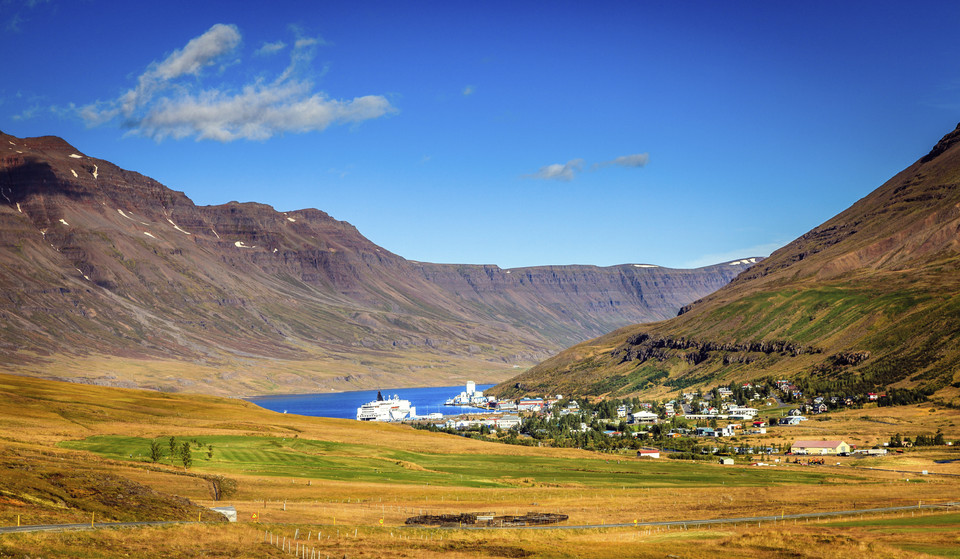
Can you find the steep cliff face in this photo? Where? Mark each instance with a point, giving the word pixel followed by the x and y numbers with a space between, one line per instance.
pixel 579 299
pixel 868 300
pixel 98 260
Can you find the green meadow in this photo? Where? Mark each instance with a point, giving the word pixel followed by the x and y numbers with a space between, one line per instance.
pixel 337 461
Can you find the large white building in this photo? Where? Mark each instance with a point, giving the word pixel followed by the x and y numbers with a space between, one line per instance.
pixel 644 417
pixel 469 397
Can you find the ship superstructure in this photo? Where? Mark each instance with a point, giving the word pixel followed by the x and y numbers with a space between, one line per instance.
pixel 386 409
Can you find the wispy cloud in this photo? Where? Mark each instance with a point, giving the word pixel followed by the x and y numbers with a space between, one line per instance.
pixel 468 90
pixel 270 48
pixel 569 170
pixel 27 113
pixel 256 113
pixel 635 160
pixel 19 9
pixel 199 53
pixel 557 171
pixel 162 106
pixel 308 42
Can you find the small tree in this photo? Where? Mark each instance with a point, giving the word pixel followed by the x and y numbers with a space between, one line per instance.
pixel 209 451
pixel 185 455
pixel 173 447
pixel 155 453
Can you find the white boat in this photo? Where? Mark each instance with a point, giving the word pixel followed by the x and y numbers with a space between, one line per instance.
pixel 389 409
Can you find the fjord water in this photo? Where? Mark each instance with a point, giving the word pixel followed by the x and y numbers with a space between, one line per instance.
pixel 344 404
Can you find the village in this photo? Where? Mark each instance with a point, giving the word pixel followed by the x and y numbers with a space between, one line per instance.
pixel 722 424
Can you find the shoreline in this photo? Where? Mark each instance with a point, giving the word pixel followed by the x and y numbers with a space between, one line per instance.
pixel 343 405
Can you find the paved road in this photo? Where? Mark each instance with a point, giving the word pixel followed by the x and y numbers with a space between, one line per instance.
pixel 745 519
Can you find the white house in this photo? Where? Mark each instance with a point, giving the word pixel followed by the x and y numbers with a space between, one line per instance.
pixel 643 417
pixel 507 422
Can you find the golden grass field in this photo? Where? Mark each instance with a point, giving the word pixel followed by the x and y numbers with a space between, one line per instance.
pixel 42 481
pixel 244 377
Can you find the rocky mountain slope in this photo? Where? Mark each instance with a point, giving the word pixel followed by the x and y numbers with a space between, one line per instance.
pixel 868 300
pixel 110 277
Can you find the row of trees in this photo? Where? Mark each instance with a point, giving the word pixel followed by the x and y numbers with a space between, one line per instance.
pixel 179 451
pixel 897 441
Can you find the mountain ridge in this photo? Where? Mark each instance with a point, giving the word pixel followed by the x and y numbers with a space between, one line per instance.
pixel 102 263
pixel 872 294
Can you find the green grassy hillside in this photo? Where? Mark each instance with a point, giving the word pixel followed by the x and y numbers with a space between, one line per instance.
pixel 868 300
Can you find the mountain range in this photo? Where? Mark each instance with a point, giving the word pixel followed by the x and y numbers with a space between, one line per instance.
pixel 112 278
pixel 869 300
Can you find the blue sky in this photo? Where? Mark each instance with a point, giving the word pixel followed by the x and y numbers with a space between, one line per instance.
pixel 516 134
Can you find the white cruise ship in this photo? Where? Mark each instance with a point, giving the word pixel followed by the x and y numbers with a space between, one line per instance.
pixel 390 409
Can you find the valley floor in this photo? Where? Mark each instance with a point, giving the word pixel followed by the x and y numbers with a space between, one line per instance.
pixel 71 453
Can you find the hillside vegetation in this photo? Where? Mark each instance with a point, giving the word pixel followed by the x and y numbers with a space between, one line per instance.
pixel 867 301
pixel 111 277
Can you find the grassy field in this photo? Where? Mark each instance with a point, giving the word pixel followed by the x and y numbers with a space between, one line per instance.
pixel 352 462
pixel 69 451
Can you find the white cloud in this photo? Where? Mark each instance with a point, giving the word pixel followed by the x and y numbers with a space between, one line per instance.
pixel 256 113
pixel 200 52
pixel 27 113
pixel 469 89
pixel 635 160
pixel 163 107
pixel 307 42
pixel 564 172
pixel 270 48
pixel 19 8
pixel 569 170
